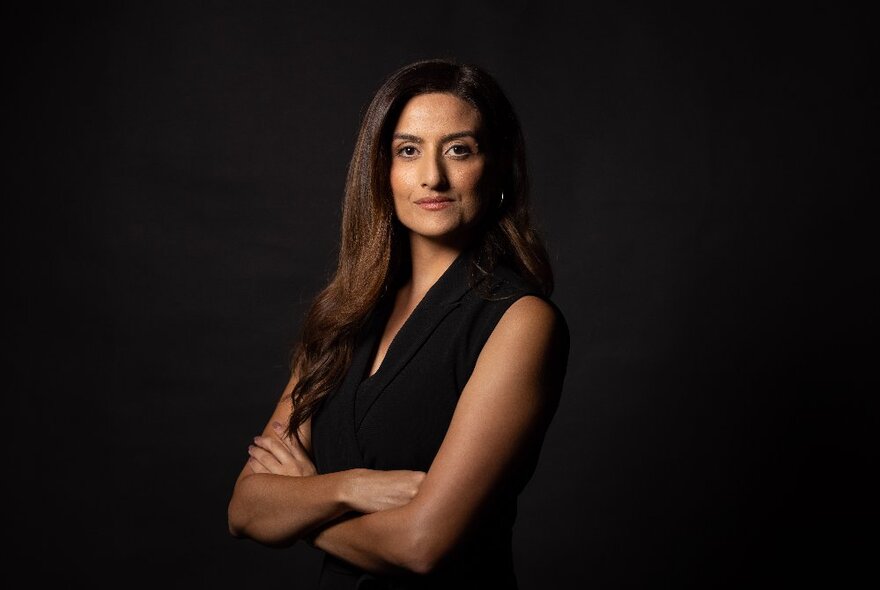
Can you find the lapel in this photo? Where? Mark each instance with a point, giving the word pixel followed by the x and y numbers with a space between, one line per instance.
pixel 337 448
pixel 443 296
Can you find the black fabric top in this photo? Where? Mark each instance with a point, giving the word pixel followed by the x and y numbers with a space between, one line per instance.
pixel 397 418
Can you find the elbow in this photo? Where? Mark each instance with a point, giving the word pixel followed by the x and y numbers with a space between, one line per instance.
pixel 236 528
pixel 244 522
pixel 239 511
pixel 243 527
pixel 241 520
pixel 421 565
pixel 235 518
pixel 426 551
pixel 423 562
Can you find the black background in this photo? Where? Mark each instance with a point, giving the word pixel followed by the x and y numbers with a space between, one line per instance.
pixel 175 176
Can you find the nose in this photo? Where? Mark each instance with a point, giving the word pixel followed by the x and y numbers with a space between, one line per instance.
pixel 433 172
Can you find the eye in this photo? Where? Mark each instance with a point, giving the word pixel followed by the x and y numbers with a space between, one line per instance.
pixel 407 151
pixel 459 150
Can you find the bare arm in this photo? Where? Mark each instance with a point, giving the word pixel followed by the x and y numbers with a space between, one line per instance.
pixel 500 418
pixel 278 497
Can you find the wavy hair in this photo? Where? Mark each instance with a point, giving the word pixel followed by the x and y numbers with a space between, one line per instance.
pixel 373 250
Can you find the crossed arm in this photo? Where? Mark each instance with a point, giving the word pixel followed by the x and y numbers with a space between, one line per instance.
pixel 411 521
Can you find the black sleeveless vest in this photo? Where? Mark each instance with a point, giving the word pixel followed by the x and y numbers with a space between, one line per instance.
pixel 397 418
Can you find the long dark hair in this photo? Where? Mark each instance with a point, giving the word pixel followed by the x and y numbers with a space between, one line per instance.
pixel 373 250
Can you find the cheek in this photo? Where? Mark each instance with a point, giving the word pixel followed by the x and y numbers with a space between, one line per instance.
pixel 399 180
pixel 469 180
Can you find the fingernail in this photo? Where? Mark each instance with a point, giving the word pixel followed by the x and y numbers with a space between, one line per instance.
pixel 257 439
pixel 276 425
pixel 250 448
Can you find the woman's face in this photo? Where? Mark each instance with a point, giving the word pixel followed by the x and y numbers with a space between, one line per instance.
pixel 437 166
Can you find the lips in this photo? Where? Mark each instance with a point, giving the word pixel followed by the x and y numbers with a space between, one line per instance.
pixel 434 203
pixel 433 200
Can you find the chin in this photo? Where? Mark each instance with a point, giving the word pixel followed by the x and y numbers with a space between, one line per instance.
pixel 450 235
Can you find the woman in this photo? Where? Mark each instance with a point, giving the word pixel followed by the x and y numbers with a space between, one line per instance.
pixel 430 367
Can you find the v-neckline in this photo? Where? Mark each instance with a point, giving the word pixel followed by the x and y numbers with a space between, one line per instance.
pixel 382 321
pixel 387 308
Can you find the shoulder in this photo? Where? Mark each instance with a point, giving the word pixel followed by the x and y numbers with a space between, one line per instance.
pixel 508 313
pixel 523 302
pixel 533 319
pixel 527 352
pixel 529 321
pixel 532 311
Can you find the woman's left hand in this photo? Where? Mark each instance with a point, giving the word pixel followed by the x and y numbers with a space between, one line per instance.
pixel 280 454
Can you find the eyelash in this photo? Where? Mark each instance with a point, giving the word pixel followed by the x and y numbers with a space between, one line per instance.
pixel 400 151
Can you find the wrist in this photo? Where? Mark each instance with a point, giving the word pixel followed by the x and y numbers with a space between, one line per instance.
pixel 346 490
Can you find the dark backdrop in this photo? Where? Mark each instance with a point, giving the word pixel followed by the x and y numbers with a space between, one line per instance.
pixel 701 177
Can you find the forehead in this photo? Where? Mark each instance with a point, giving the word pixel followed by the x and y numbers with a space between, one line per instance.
pixel 437 113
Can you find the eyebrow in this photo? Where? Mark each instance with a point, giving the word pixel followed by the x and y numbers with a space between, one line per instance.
pixel 444 139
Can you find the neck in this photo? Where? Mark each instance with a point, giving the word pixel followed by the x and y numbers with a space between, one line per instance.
pixel 429 259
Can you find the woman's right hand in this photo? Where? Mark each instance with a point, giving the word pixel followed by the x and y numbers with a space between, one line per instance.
pixel 281 455
pixel 373 490
pixel 365 490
